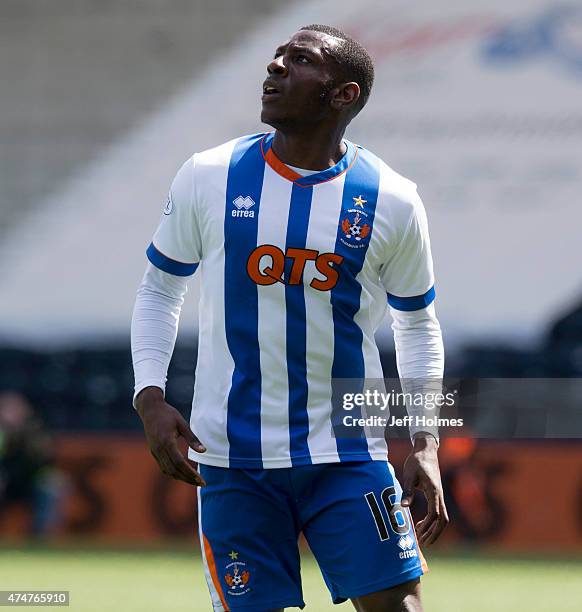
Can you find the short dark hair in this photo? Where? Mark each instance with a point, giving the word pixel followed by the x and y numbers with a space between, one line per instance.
pixel 354 60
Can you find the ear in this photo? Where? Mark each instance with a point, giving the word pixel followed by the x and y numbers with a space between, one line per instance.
pixel 345 96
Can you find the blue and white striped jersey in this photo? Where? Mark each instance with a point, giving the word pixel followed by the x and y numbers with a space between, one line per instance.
pixel 297 272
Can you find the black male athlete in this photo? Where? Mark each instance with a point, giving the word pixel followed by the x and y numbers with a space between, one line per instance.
pixel 303 240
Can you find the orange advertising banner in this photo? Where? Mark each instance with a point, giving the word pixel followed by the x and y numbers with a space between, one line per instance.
pixel 506 496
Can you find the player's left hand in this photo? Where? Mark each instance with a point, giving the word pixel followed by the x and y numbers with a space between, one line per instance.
pixel 421 471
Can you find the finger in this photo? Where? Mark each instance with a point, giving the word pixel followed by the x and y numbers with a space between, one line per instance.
pixel 166 463
pixel 431 515
pixel 170 465
pixel 177 472
pixel 425 530
pixel 409 482
pixel 432 534
pixel 162 461
pixel 188 435
pixel 434 523
pixel 445 512
pixel 439 525
pixel 407 498
pixel 427 538
pixel 425 524
pixel 194 466
pixel 182 469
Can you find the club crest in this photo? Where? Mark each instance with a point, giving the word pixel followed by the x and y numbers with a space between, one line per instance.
pixel 237 577
pixel 354 229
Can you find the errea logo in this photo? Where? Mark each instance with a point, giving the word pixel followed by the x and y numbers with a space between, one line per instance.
pixel 242 207
pixel 406 543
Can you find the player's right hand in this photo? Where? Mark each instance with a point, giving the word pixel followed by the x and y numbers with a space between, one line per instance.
pixel 163 426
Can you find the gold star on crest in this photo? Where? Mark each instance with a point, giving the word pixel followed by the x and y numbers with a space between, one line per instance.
pixel 359 201
pixel 233 555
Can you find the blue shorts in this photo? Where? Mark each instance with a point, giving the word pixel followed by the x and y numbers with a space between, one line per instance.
pixel 349 513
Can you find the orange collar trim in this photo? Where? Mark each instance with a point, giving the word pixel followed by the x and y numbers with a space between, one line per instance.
pixel 344 164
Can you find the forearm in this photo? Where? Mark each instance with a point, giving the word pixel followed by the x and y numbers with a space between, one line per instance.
pixel 419 357
pixel 154 327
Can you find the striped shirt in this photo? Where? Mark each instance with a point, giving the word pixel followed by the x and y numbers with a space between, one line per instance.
pixel 297 274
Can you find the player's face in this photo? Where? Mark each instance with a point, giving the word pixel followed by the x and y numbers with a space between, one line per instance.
pixel 300 79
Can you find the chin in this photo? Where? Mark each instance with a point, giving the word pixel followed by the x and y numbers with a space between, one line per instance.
pixel 271 119
pixel 277 122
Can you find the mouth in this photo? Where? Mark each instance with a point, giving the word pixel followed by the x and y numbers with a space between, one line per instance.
pixel 270 92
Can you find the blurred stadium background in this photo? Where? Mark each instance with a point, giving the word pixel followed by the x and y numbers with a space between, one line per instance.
pixel 101 101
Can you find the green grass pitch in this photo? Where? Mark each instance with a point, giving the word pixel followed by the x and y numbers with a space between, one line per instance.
pixel 174 581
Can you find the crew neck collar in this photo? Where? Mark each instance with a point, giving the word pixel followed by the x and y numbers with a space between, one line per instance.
pixel 312 179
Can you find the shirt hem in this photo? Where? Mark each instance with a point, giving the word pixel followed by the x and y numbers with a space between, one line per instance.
pixel 282 462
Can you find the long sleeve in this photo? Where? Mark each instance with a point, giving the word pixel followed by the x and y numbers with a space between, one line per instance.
pixel 174 256
pixel 408 278
pixel 419 357
pixel 154 326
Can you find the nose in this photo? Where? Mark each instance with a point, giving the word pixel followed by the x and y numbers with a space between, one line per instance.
pixel 276 66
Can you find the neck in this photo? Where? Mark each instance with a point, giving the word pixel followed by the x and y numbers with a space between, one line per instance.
pixel 312 150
